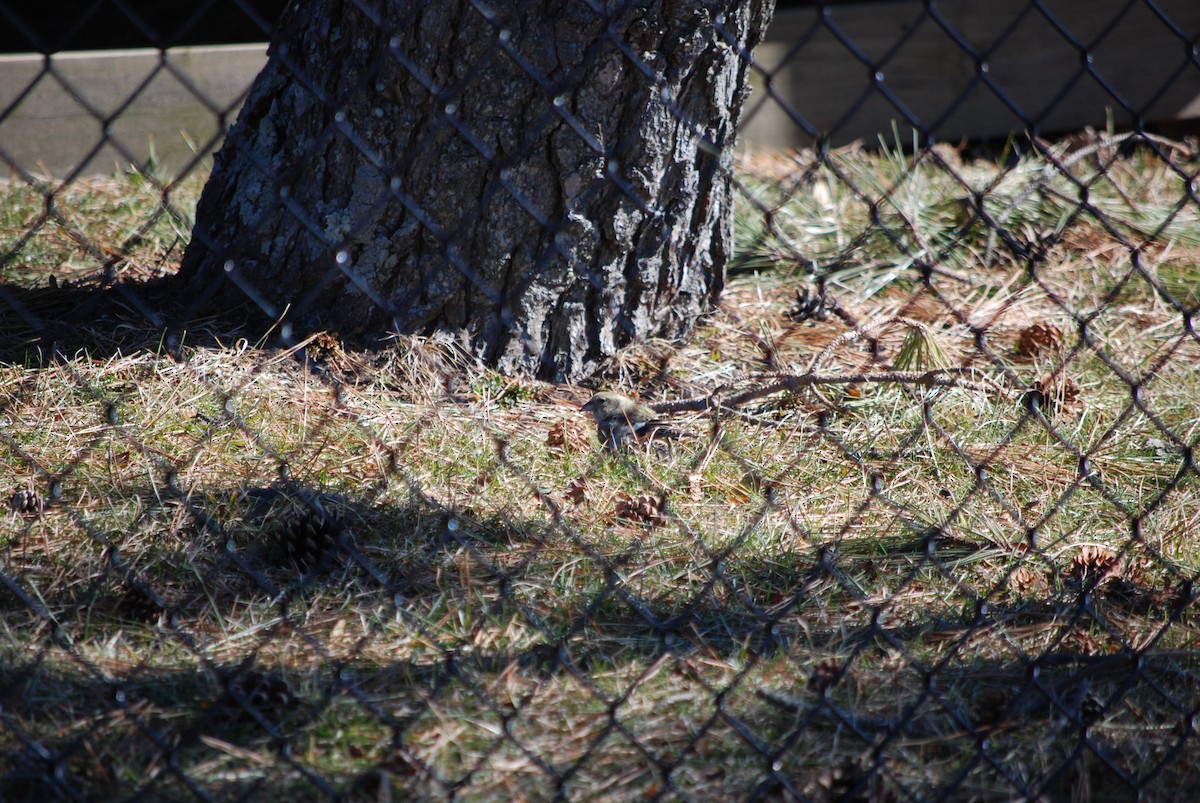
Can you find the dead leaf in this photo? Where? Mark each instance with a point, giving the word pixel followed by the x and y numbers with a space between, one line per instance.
pixel 577 491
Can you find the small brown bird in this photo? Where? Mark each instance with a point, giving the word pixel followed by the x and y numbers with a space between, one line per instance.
pixel 620 420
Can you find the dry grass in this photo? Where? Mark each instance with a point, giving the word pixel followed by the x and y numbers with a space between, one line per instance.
pixel 132 226
pixel 905 591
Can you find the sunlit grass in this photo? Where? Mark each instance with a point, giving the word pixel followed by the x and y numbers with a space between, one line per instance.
pixel 859 578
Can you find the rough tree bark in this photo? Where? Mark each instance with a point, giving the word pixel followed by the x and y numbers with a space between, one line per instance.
pixel 549 177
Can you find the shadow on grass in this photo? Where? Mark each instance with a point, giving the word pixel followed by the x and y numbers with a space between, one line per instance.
pixel 252 642
pixel 421 651
pixel 105 317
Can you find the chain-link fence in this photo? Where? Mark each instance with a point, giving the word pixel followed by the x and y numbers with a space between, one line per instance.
pixel 918 526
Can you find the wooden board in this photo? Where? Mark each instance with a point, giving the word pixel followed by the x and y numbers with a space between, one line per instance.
pixel 55 112
pixel 1125 62
pixel 847 73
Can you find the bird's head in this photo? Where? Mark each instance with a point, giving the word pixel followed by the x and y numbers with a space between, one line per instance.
pixel 607 404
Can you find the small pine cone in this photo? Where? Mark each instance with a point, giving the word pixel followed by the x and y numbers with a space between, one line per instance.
pixel 308 539
pixel 643 508
pixel 809 306
pixel 824 674
pixel 136 604
pixel 568 435
pixel 326 349
pixel 991 707
pixel 264 692
pixel 1025 581
pixel 1091 562
pixel 26 502
pixel 267 691
pixel 1091 709
pixel 577 491
pixel 846 782
pixel 1079 704
pixel 556 436
pixel 1052 395
pixel 1039 338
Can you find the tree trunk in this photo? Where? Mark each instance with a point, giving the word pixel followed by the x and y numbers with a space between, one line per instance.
pixel 548 177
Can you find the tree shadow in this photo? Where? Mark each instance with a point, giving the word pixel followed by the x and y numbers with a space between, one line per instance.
pixel 107 317
pixel 200 662
pixel 213 671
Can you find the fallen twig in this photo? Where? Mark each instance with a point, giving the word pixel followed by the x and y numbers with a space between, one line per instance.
pixel 780 382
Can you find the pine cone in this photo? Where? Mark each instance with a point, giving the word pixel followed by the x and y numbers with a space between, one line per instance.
pixel 847 782
pixel 251 691
pixel 809 306
pixel 824 674
pixel 1091 709
pixel 644 508
pixel 26 502
pixel 265 691
pixel 1091 562
pixel 991 707
pixel 309 539
pixel 567 436
pixel 1025 581
pixel 577 491
pixel 1039 338
pixel 136 604
pixel 1052 395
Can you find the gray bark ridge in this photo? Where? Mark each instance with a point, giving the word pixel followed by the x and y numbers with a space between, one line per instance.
pixel 549 178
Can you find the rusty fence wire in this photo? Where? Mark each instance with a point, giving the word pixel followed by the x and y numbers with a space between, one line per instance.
pixel 923 529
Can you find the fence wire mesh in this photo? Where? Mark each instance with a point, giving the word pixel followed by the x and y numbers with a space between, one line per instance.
pixel 922 532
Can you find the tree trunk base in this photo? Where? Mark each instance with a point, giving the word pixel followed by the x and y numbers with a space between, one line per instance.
pixel 549 183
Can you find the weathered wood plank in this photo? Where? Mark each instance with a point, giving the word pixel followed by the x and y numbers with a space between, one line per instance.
pixel 55 112
pixel 1035 77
